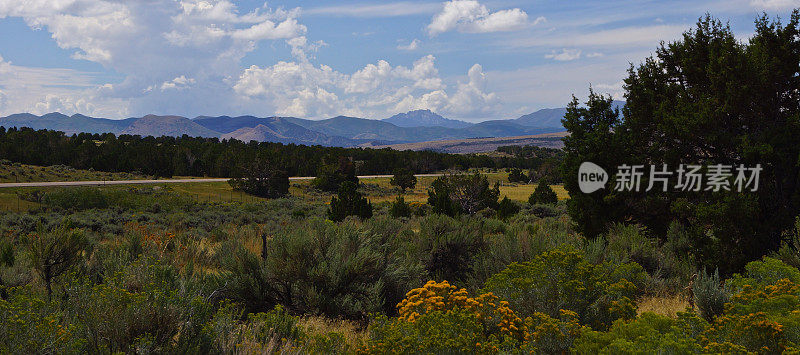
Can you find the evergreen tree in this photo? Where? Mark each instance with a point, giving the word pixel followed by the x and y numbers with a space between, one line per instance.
pixel 506 208
pixel 516 175
pixel 706 99
pixel 400 208
pixel 331 175
pixel 404 179
pixel 592 139
pixel 543 194
pixel 349 203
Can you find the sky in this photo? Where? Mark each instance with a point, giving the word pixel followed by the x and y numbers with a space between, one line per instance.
pixel 464 59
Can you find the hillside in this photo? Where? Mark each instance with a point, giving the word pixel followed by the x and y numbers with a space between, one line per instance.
pixel 152 125
pixel 343 131
pixel 67 124
pixel 480 145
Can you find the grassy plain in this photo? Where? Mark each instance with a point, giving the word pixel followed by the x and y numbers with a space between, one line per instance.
pixel 376 189
pixel 15 172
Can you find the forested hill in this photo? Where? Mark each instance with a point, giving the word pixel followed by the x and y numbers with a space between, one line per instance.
pixel 167 156
pixel 340 131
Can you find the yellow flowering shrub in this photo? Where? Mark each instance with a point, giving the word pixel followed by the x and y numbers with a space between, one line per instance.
pixel 551 335
pixel 563 279
pixel 27 326
pixel 761 318
pixel 494 314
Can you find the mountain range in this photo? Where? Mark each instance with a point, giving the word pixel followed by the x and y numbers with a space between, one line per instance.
pixel 343 131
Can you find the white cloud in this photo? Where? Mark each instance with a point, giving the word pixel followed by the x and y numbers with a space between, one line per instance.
pixel 305 90
pixel 395 9
pixel 775 4
pixel 616 90
pixel 471 16
pixel 594 55
pixel 37 90
pixel 270 30
pixel 414 45
pixel 632 36
pixel 179 83
pixel 193 46
pixel 565 55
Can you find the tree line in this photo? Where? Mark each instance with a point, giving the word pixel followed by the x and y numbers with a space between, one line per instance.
pixel 194 156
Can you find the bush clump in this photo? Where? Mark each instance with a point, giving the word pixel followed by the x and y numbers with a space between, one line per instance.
pixel 507 208
pixel 262 180
pixel 709 295
pixel 400 208
pixel 462 193
pixel 562 279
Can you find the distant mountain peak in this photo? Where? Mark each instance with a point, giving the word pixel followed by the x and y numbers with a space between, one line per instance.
pixel 424 118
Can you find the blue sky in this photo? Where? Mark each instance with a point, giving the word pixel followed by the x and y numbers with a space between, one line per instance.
pixel 465 59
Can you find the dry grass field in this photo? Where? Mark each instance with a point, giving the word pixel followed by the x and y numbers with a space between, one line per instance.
pixel 376 189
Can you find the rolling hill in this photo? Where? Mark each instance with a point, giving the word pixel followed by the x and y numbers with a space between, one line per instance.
pixel 409 127
pixel 479 145
pixel 152 125
pixel 67 124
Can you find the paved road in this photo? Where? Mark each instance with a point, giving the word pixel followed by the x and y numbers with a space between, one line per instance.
pixel 164 181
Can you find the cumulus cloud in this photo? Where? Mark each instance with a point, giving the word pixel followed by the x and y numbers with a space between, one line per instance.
pixel 414 45
pixel 184 57
pixel 471 16
pixel 564 55
pixel 185 49
pixel 179 83
pixel 302 89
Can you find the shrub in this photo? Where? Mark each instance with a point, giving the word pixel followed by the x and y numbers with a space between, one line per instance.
pixel 562 279
pixel 349 203
pixel 439 318
pixel 495 315
pixel 449 248
pixel 789 251
pixel 400 208
pixel 79 198
pixel 331 175
pixel 320 268
pixel 543 211
pixel 462 193
pixel 454 331
pixel 709 295
pixel 648 334
pixel 761 319
pixel 143 308
pixel 547 335
pixel 53 253
pixel 404 179
pixel 263 180
pixel 507 208
pixel 767 271
pixel 29 326
pixel 543 194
